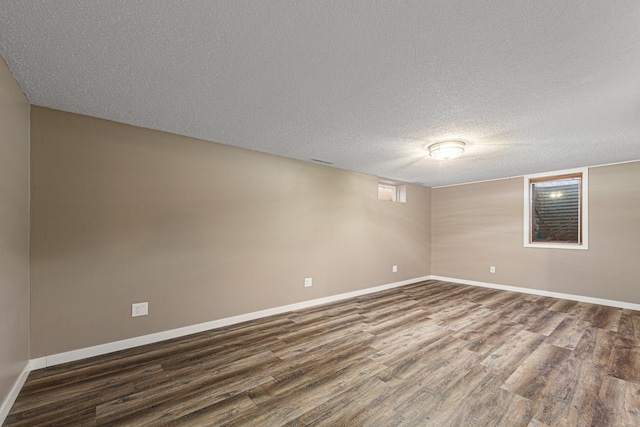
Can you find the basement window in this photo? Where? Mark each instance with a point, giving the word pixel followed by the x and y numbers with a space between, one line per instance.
pixel 556 210
pixel 392 192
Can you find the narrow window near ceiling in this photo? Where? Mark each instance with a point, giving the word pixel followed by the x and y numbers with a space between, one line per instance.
pixel 392 192
pixel 556 207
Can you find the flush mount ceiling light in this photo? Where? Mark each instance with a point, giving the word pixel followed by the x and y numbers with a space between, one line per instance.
pixel 446 150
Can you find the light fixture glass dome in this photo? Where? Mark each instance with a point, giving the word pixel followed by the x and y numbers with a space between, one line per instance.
pixel 446 150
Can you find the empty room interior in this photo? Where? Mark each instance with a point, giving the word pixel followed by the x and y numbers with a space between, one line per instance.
pixel 363 213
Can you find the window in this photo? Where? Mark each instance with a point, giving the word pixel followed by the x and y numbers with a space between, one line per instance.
pixel 556 210
pixel 392 192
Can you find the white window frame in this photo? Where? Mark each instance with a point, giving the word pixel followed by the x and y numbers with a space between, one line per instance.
pixel 584 210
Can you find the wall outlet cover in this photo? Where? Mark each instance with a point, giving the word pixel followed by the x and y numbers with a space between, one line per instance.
pixel 139 309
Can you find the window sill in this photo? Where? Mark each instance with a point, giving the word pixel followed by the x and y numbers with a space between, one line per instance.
pixel 581 247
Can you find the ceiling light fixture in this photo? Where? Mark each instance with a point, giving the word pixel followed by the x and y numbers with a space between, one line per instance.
pixel 446 150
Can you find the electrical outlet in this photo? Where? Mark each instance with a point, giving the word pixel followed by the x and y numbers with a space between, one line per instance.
pixel 139 309
pixel 394 269
pixel 308 282
pixel 492 269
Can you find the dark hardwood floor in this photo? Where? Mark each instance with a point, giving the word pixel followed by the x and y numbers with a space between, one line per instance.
pixel 428 354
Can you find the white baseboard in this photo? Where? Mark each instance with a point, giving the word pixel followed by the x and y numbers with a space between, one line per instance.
pixel 83 353
pixel 571 297
pixel 13 393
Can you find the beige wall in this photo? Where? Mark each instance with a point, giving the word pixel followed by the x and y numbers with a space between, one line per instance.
pixel 205 231
pixel 479 225
pixel 200 230
pixel 14 230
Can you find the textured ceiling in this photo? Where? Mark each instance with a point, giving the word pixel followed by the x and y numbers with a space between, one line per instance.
pixel 532 86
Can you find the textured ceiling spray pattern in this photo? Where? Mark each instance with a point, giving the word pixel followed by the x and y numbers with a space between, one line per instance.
pixel 531 86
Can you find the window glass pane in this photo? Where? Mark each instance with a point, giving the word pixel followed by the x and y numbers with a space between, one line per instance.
pixel 555 210
pixel 387 192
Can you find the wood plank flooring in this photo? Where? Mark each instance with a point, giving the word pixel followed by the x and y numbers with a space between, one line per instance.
pixel 428 354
